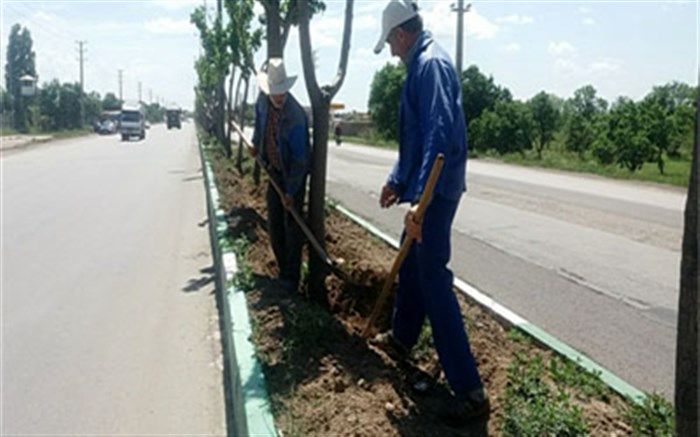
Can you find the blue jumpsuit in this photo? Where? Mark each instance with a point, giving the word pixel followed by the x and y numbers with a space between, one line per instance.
pixel 431 121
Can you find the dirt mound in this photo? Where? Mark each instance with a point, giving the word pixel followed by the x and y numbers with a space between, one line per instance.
pixel 323 378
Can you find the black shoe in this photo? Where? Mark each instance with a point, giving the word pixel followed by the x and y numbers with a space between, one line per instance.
pixel 464 408
pixel 390 346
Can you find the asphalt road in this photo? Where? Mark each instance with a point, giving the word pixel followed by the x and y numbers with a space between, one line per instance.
pixel 109 322
pixel 593 261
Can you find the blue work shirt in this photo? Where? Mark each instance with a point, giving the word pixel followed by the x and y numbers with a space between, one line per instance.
pixel 293 146
pixel 431 121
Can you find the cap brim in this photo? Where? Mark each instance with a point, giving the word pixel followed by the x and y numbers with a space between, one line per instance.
pixel 382 40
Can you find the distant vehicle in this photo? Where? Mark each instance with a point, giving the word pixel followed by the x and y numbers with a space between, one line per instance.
pixel 107 127
pixel 132 121
pixel 147 124
pixel 173 118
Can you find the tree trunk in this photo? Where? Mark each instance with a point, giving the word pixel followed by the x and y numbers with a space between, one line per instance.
pixel 320 102
pixel 220 88
pixel 317 198
pixel 274 37
pixel 229 113
pixel 235 105
pixel 239 160
pixel 687 351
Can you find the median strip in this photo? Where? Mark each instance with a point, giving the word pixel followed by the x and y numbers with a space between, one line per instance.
pixel 248 409
pixel 513 319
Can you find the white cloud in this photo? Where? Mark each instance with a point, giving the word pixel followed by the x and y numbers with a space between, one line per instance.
pixel 565 66
pixel 168 26
pixel 584 10
pixel 588 21
pixel 326 31
pixel 369 7
pixel 480 26
pixel 364 57
pixel 365 22
pixel 176 4
pixel 561 48
pixel 258 9
pixel 604 67
pixel 515 19
pixel 512 47
pixel 43 16
pixel 440 20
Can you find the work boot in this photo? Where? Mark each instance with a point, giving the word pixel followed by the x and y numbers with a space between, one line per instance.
pixel 462 408
pixel 389 345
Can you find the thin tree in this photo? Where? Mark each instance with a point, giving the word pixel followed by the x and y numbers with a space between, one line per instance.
pixel 320 102
pixel 244 104
pixel 687 350
pixel 20 61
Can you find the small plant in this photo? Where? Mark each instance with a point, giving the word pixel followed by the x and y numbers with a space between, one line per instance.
pixel 308 326
pixel 531 408
pixel 424 346
pixel 654 417
pixel 240 245
pixel 304 272
pixel 516 335
pixel 244 279
pixel 567 373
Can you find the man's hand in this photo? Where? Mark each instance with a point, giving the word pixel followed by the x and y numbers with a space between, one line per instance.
pixel 388 197
pixel 288 201
pixel 414 229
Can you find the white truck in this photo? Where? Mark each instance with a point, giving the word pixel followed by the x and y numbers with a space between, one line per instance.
pixel 132 122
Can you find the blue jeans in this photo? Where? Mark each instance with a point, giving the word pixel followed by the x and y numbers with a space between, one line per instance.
pixel 425 288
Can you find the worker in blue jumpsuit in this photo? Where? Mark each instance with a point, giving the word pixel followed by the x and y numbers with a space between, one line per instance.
pixel 431 121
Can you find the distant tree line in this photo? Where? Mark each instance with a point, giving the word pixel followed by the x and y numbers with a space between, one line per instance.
pixel 55 106
pixel 625 133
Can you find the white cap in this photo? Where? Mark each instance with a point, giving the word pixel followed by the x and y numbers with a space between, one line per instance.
pixel 396 12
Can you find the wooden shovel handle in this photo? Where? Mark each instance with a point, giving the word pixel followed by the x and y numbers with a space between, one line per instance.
pixel 407 242
pixel 295 214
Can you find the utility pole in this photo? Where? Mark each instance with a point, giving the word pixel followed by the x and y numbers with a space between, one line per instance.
pixel 81 59
pixel 120 85
pixel 150 95
pixel 460 9
pixel 139 91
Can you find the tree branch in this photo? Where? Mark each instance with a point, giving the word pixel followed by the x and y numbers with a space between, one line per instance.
pixel 312 87
pixel 343 63
pixel 285 32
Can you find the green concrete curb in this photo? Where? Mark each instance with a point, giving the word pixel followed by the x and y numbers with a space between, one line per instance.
pixel 512 319
pixel 248 405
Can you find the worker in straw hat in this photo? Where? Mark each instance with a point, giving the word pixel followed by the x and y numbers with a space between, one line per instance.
pixel 431 121
pixel 281 139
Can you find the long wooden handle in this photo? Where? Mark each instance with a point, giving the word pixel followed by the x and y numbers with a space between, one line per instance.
pixel 407 242
pixel 295 214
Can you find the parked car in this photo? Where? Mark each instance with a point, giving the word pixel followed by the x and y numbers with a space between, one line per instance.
pixel 107 127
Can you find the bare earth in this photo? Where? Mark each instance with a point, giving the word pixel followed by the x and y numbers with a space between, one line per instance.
pixel 335 383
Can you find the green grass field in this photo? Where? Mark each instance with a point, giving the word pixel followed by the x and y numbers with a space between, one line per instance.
pixel 676 171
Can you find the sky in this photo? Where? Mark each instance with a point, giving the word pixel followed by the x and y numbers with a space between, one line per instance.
pixel 622 48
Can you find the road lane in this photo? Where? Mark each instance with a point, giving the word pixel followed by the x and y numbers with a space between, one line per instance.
pixel 109 322
pixel 594 261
